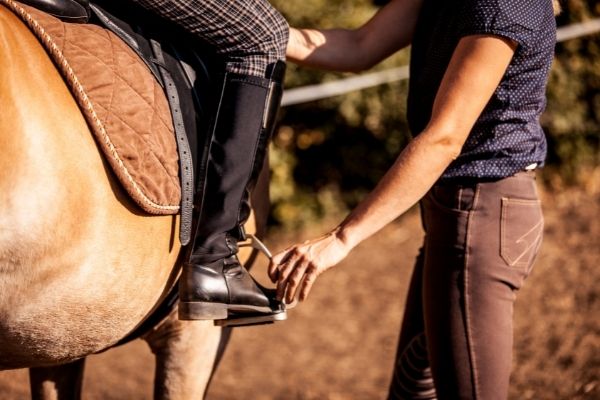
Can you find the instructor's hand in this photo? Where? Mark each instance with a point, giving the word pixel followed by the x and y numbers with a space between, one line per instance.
pixel 296 268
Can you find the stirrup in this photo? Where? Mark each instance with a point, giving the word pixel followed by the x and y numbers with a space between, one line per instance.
pixel 239 319
pixel 235 319
pixel 255 243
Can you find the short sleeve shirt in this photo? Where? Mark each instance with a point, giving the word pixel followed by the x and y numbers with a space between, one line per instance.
pixel 507 136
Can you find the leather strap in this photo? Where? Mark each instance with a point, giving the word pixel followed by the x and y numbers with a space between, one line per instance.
pixel 165 308
pixel 156 64
pixel 186 172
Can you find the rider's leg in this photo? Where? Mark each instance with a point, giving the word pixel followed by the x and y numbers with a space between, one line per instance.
pixel 213 280
pixel 252 37
pixel 249 34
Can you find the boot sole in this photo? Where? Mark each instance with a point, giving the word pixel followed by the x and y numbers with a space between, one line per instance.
pixel 199 310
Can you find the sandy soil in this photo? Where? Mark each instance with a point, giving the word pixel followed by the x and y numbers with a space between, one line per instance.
pixel 341 343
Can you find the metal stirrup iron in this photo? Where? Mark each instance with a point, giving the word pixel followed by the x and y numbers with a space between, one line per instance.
pixel 255 243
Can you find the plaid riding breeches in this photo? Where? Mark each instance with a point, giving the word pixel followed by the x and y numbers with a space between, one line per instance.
pixel 249 34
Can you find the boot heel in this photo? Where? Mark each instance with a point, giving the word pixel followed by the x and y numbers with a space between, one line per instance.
pixel 197 310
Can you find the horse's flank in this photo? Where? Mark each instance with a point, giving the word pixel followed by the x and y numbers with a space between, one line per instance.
pixel 79 265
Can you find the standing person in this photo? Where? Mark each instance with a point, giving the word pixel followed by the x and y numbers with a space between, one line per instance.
pixel 251 36
pixel 477 89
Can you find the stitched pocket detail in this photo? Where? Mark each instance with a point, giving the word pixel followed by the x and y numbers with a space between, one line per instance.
pixel 521 231
pixel 444 204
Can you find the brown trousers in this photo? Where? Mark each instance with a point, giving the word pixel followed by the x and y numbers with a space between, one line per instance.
pixel 480 243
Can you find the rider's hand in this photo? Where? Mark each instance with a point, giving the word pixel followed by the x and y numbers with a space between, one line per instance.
pixel 296 268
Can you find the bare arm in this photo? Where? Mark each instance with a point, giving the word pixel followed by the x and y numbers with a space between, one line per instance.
pixel 390 29
pixel 474 72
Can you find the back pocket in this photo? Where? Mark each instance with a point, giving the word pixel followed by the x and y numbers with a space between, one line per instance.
pixel 521 231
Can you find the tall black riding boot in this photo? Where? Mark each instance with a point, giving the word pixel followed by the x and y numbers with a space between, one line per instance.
pixel 214 284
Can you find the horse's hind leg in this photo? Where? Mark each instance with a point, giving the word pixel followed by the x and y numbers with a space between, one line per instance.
pixel 186 352
pixel 60 382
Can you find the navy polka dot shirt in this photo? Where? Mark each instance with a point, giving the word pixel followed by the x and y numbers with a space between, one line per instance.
pixel 507 137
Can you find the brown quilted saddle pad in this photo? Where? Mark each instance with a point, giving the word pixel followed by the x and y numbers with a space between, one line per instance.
pixel 123 104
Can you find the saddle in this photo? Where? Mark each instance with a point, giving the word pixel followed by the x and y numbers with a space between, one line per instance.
pixel 155 136
pixel 65 10
pixel 143 86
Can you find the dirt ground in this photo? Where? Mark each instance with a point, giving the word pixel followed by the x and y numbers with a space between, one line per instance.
pixel 341 343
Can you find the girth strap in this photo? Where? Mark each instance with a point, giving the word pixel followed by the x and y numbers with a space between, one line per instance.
pixel 161 312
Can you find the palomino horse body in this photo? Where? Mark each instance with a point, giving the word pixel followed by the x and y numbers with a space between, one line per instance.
pixel 80 265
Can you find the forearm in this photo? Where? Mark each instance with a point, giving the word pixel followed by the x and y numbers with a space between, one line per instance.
pixel 415 171
pixel 389 30
pixel 471 77
pixel 474 72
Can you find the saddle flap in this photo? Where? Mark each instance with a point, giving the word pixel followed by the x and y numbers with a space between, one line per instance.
pixel 124 105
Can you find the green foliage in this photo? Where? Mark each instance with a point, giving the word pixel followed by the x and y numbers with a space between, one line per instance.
pixel 572 117
pixel 329 153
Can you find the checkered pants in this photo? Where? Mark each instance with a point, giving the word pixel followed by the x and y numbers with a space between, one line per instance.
pixel 250 34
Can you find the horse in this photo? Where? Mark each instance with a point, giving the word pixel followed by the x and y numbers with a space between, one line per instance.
pixel 80 265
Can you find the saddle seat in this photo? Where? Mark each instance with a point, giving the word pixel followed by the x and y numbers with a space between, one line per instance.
pixel 66 10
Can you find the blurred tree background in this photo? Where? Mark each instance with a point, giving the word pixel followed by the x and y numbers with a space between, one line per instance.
pixel 329 153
